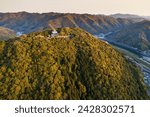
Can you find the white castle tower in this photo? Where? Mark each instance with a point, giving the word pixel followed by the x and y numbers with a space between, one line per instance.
pixel 54 32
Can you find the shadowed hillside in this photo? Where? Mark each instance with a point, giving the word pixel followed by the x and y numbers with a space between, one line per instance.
pixel 136 35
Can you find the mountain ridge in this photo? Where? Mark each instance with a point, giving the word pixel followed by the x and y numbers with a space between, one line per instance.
pixel 30 22
pixel 134 18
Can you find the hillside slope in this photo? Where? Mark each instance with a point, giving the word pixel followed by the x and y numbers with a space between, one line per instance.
pixel 6 33
pixel 136 35
pixel 73 65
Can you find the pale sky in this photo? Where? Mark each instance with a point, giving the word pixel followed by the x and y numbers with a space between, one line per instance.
pixel 139 7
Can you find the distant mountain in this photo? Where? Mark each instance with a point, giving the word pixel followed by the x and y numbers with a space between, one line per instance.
pixel 29 22
pixel 6 33
pixel 147 17
pixel 136 35
pixel 70 65
pixel 134 18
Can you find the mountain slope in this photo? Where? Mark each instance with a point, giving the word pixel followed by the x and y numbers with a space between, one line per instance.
pixel 73 65
pixel 31 22
pixel 136 35
pixel 134 18
pixel 6 33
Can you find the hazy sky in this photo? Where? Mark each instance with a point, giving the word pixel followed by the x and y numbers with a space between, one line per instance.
pixel 140 7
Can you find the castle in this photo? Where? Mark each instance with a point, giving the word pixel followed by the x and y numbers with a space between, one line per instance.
pixel 54 33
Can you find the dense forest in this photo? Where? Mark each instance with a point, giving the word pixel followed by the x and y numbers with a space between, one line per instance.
pixel 72 65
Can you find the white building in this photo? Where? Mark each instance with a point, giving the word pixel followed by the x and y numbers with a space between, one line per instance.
pixel 54 33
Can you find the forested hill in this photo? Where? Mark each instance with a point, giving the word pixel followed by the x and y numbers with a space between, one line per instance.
pixel 73 65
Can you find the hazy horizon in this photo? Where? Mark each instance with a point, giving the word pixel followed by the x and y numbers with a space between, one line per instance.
pixel 80 7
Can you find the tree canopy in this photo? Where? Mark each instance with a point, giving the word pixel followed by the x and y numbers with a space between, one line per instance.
pixel 74 65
